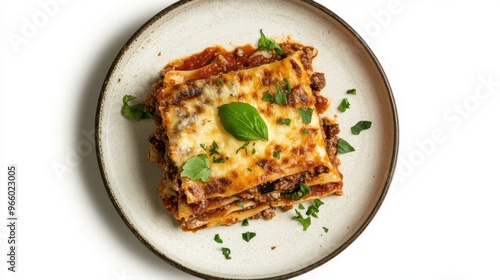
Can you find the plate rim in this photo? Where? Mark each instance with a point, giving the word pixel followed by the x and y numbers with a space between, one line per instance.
pixel 193 272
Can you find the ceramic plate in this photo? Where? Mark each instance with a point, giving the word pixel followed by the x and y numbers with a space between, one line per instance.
pixel 281 248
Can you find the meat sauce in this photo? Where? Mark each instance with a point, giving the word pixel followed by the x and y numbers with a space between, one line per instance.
pixel 216 60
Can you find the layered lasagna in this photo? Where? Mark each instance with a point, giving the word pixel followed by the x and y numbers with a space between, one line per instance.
pixel 208 107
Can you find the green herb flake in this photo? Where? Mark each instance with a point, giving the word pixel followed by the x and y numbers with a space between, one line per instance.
pixel 268 97
pixel 301 207
pixel 243 147
pixel 303 191
pixel 135 112
pixel 197 168
pixel 243 121
pixel 325 229
pixel 214 149
pixel 277 154
pixel 240 204
pixel 304 131
pixel 351 91
pixel 306 222
pixel 203 146
pixel 217 238
pixel 313 210
pixel 249 169
pixel 286 121
pixel 218 160
pixel 281 98
pixel 247 236
pixel 306 114
pixel 344 147
pixel 253 151
pixel 344 105
pixel 266 44
pixel 245 223
pixel 288 87
pixel 221 82
pixel 360 126
pixel 227 253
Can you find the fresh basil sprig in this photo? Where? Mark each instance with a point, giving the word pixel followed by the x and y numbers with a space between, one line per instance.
pixel 197 168
pixel 134 112
pixel 361 125
pixel 243 121
pixel 267 44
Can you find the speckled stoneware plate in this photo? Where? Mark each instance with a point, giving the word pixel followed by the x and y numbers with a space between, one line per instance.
pixel 188 27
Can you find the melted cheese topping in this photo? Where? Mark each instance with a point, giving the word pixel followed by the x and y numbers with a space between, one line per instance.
pixel 189 111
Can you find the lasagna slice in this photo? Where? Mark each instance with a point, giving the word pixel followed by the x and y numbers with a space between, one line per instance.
pixel 296 162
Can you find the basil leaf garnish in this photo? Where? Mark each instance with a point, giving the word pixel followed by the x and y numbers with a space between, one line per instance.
pixel 197 168
pixel 344 147
pixel 135 112
pixel 267 44
pixel 361 125
pixel 243 121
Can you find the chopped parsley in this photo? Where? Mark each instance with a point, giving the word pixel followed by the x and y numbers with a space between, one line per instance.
pixel 301 207
pixel 351 91
pixel 214 149
pixel 266 44
pixel 344 105
pixel 218 160
pixel 221 82
pixel 325 229
pixel 241 205
pixel 304 131
pixel 281 98
pixel 249 169
pixel 245 223
pixel 313 210
pixel 277 154
pixel 227 253
pixel 268 97
pixel 360 126
pixel 303 191
pixel 286 121
pixel 282 90
pixel 253 151
pixel 306 222
pixel 306 114
pixel 203 146
pixel 197 168
pixel 247 236
pixel 217 238
pixel 134 112
pixel 244 147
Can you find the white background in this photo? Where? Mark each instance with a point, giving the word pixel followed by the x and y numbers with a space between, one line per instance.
pixel 440 220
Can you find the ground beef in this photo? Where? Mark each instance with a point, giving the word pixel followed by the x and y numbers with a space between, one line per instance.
pixel 318 81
